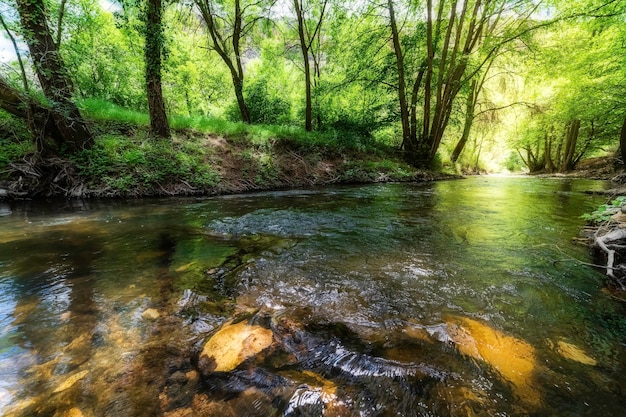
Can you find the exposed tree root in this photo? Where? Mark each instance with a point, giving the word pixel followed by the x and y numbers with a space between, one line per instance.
pixel 43 177
pixel 611 241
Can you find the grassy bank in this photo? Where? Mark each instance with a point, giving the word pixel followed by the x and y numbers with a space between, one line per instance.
pixel 204 156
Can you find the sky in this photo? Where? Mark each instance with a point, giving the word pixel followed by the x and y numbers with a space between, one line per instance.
pixel 7 53
pixel 6 50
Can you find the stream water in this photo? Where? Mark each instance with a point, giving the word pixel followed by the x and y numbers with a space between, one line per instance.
pixel 459 298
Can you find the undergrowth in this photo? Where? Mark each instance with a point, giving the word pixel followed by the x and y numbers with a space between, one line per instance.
pixel 140 163
pixel 604 212
pixel 125 160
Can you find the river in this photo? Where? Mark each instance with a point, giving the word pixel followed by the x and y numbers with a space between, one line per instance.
pixel 456 298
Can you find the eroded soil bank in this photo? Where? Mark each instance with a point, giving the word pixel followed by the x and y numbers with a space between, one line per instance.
pixel 192 163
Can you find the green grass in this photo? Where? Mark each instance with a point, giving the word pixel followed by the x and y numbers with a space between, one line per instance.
pixel 102 110
pixel 259 134
pixel 125 160
pixel 132 165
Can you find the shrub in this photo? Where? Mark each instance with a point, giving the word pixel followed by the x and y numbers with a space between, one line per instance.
pixel 263 107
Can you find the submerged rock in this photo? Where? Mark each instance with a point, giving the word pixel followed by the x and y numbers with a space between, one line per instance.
pixel 316 397
pixel 514 359
pixel 573 352
pixel 232 345
pixel 72 412
pixel 151 314
pixel 69 382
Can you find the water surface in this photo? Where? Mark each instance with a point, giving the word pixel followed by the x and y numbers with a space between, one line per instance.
pixel 457 298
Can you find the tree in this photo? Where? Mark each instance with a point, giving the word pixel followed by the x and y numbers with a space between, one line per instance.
pixel 228 24
pixel 576 84
pixel 37 115
pixel 622 142
pixel 470 105
pixel 106 53
pixel 153 53
pixel 309 39
pixel 460 39
pixel 358 93
pixel 71 130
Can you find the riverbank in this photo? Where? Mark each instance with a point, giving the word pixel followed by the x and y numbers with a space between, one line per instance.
pixel 126 162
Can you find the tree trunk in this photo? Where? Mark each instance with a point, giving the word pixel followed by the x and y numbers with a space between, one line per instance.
pixel 73 133
pixel 547 153
pixel 220 42
pixel 571 138
pixel 37 116
pixel 241 102
pixel 153 50
pixel 469 119
pixel 308 113
pixel 239 77
pixel 408 145
pixel 430 58
pixel 622 143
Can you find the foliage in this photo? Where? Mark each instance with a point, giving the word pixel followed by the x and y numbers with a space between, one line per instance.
pixel 546 66
pixel 263 106
pixel 105 56
pixel 99 109
pixel 513 163
pixel 605 211
pixel 575 77
pixel 129 165
pixel 14 142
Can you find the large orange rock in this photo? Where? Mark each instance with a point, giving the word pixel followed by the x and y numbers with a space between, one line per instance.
pixel 233 344
pixel 514 359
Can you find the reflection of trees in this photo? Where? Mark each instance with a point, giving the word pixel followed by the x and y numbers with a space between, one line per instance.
pixel 56 312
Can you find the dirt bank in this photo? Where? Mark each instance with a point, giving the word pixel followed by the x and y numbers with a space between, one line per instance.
pixel 201 164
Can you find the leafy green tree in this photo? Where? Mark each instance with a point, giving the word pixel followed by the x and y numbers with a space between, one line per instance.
pixel 228 24
pixel 159 125
pixel 195 82
pixel 105 52
pixel 310 17
pixel 576 84
pixel 460 38
pixel 355 93
pixel 71 131
pixel 150 16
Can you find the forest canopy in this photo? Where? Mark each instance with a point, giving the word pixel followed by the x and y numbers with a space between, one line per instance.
pixel 476 84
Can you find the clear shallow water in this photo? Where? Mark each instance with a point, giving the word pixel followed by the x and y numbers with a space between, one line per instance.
pixel 441 299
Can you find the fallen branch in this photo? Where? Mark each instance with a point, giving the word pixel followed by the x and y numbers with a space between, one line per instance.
pixel 605 243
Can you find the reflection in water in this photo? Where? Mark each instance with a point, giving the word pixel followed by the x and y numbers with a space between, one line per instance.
pixel 55 311
pixel 380 300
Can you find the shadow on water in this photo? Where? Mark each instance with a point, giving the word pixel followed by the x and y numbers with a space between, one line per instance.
pixel 383 300
pixel 56 316
pixel 76 347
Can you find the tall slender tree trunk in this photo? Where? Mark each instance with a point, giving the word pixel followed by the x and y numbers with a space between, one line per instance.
pixel 407 144
pixel 238 75
pixel 221 41
pixel 71 130
pixel 308 112
pixel 622 143
pixel 548 165
pixel 469 120
pixel 241 102
pixel 307 42
pixel 571 139
pixel 159 125
pixel 413 104
pixel 430 57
